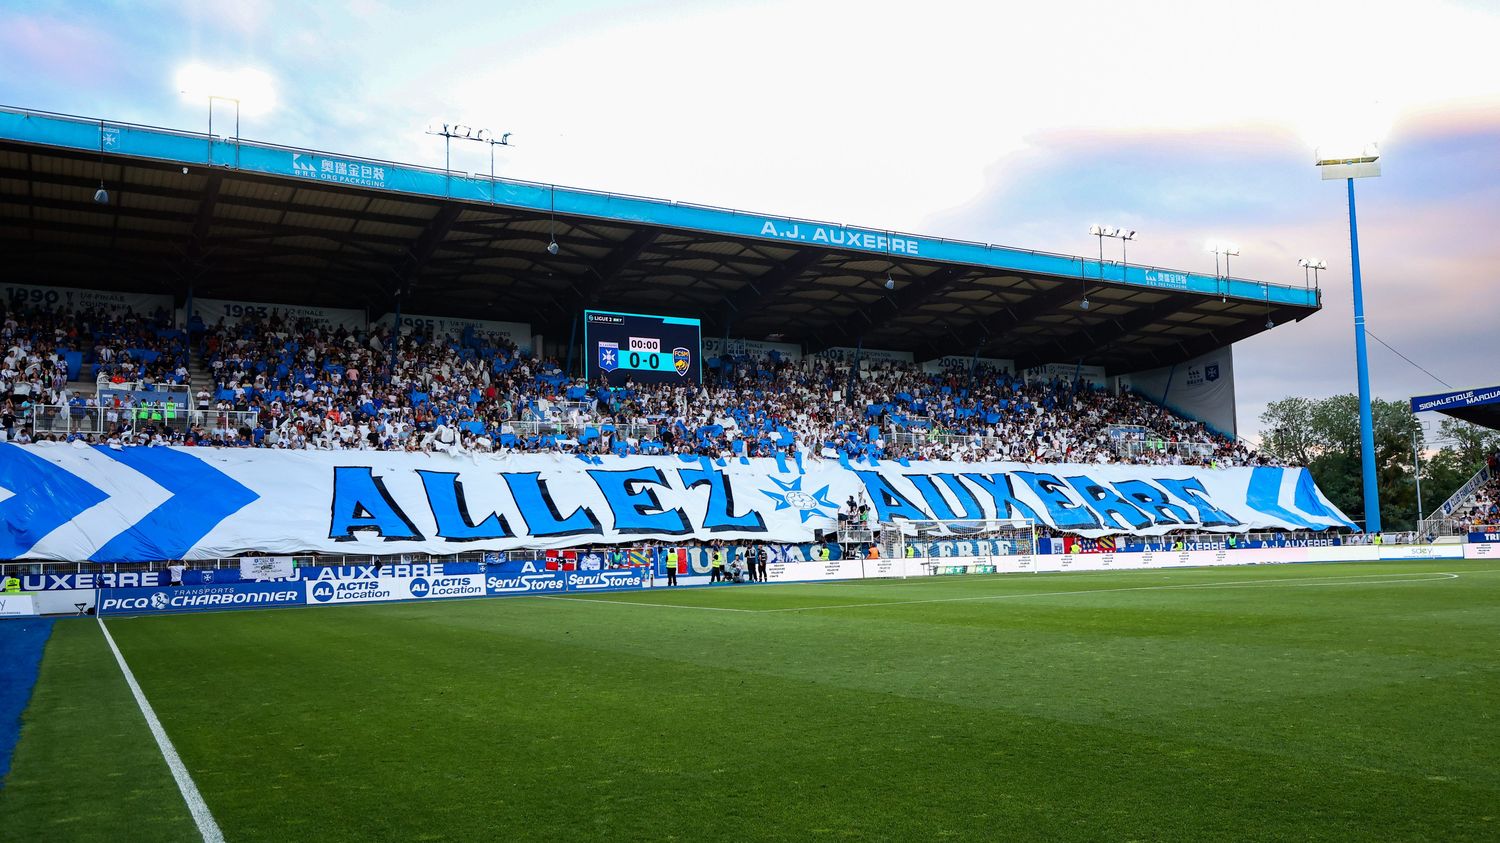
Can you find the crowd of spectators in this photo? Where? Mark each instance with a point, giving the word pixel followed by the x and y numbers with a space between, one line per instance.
pixel 277 382
pixel 1482 510
pixel 46 349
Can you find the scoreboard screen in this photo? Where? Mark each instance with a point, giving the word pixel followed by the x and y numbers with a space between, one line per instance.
pixel 645 349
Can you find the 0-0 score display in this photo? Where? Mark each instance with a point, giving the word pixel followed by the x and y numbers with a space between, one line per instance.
pixel 641 348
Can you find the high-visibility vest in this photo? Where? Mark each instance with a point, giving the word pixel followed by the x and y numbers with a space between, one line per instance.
pixel 12 585
pixel 717 558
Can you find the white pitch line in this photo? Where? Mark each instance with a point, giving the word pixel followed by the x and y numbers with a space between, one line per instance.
pixel 1291 582
pixel 207 827
pixel 585 599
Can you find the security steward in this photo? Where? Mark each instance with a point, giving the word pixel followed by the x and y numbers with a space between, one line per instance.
pixel 669 561
pixel 716 564
pixel 11 585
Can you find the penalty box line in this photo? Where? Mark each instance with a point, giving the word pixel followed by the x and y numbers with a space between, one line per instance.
pixel 207 826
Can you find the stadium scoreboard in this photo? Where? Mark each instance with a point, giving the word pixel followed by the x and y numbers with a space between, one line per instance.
pixel 646 349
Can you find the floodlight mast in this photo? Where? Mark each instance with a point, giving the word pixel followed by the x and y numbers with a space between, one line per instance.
pixel 449 131
pixel 1350 165
pixel 248 88
pixel 1124 235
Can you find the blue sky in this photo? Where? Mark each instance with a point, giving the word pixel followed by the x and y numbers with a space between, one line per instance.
pixel 1014 123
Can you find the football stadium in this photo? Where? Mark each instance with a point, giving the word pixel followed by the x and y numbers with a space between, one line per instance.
pixel 352 499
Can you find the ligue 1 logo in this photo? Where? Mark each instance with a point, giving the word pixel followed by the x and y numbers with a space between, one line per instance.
pixel 681 360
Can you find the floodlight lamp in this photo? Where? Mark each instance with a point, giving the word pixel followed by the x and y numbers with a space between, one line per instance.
pixel 101 195
pixel 1232 250
pixel 1084 305
pixel 1332 154
pixel 1096 230
pixel 890 283
pixel 1270 324
pixel 505 139
pixel 552 248
pixel 252 89
pixel 1127 234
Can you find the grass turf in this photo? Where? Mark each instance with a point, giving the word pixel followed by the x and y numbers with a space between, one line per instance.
pixel 1335 701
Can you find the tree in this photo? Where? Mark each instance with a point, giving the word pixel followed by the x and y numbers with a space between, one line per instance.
pixel 1470 443
pixel 1464 449
pixel 1323 435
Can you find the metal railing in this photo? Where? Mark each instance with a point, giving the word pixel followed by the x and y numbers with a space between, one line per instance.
pixel 226 421
pixel 1187 449
pixel 901 437
pixel 66 419
pixel 1442 521
pixel 526 429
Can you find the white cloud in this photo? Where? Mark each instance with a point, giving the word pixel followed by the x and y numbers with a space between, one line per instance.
pixel 886 113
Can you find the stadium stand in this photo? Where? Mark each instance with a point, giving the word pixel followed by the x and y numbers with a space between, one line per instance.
pixel 280 383
pixel 1482 509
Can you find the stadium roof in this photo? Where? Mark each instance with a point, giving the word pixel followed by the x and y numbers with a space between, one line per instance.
pixel 1479 406
pixel 268 223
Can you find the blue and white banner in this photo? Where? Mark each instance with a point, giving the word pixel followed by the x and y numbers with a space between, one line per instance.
pixel 67 502
pixel 532 582
pixel 620 579
pixel 61 582
pixel 197 598
pixel 1447 401
pixel 383 589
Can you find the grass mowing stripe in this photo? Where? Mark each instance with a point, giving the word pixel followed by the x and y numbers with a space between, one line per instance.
pixel 644 603
pixel 1171 714
pixel 1297 582
pixel 196 806
pixel 84 771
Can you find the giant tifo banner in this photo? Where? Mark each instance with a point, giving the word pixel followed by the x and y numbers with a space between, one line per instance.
pixel 68 502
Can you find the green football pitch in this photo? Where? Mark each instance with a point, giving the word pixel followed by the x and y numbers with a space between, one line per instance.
pixel 1355 701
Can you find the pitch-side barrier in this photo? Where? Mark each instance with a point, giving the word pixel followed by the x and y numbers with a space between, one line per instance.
pixel 387 584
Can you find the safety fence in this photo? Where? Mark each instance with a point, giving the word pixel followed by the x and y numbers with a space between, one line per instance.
pixel 342 585
pixel 66 419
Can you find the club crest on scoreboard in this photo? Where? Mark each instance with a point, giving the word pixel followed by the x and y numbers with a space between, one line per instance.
pixel 609 356
pixel 682 360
